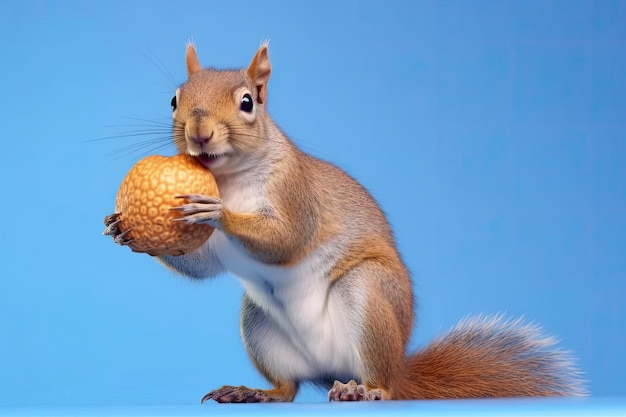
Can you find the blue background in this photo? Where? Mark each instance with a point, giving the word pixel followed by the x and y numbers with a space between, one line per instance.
pixel 493 134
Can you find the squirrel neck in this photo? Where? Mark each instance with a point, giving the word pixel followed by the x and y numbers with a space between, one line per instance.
pixel 260 162
pixel 248 185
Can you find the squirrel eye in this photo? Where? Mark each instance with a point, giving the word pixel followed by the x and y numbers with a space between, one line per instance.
pixel 173 103
pixel 246 103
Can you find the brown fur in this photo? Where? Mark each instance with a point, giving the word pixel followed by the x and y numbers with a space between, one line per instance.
pixel 312 203
pixel 490 357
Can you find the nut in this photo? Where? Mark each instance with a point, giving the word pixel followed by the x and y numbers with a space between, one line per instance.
pixel 147 194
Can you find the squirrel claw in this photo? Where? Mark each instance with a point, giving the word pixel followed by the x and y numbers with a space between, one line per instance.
pixel 199 209
pixel 112 228
pixel 230 394
pixel 199 198
pixel 112 223
pixel 352 391
pixel 121 238
pixel 111 218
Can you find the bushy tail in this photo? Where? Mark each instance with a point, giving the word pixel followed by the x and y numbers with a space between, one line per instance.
pixel 488 356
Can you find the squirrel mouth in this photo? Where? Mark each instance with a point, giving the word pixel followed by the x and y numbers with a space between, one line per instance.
pixel 208 159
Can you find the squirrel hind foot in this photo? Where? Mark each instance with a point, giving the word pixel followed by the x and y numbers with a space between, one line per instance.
pixel 242 394
pixel 351 391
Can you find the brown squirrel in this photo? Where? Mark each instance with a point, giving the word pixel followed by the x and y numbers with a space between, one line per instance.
pixel 327 295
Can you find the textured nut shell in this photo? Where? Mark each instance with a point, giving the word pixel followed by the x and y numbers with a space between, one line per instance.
pixel 148 192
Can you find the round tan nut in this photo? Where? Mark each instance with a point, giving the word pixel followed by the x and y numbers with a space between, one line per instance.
pixel 148 192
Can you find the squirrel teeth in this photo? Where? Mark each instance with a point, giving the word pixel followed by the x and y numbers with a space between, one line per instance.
pixel 207 158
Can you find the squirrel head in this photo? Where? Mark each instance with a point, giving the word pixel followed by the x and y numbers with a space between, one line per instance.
pixel 220 116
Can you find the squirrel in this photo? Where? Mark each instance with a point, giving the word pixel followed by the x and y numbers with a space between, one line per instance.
pixel 327 296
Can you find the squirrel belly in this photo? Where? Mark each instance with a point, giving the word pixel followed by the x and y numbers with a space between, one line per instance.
pixel 327 295
pixel 295 324
pixel 303 319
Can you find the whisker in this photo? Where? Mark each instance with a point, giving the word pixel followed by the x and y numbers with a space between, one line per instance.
pixel 167 126
pixel 139 146
pixel 171 133
pixel 302 144
pixel 134 145
pixel 154 59
pixel 165 122
pixel 142 149
pixel 157 135
pixel 129 135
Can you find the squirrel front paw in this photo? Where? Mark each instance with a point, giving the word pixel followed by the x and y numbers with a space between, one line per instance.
pixel 352 391
pixel 200 209
pixel 113 229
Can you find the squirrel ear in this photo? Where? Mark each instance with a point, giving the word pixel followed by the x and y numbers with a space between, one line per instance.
pixel 259 72
pixel 193 65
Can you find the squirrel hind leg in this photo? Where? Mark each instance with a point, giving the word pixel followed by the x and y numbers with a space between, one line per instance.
pixel 241 394
pixel 351 391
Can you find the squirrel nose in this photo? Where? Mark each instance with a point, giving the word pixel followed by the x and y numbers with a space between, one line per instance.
pixel 201 141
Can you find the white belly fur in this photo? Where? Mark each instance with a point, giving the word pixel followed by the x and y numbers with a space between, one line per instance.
pixel 321 330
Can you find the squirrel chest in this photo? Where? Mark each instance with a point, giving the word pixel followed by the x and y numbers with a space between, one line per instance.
pixel 303 308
